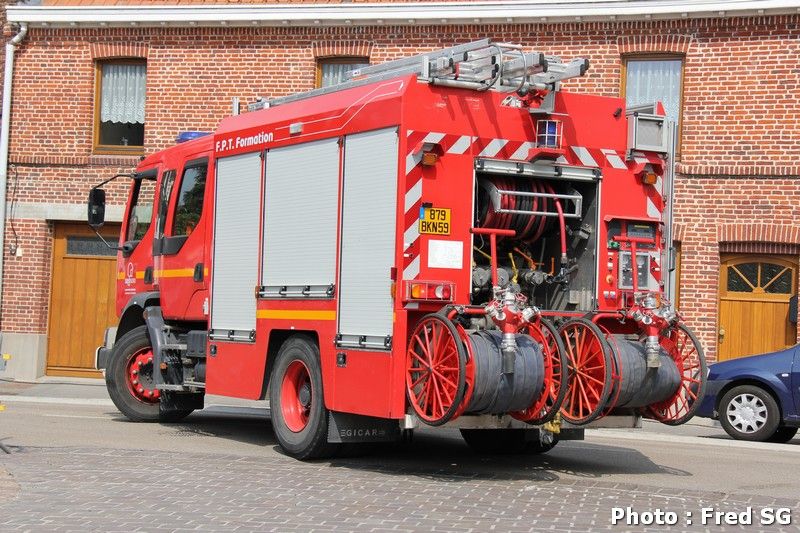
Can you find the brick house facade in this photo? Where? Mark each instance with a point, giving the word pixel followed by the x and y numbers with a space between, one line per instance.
pixel 737 188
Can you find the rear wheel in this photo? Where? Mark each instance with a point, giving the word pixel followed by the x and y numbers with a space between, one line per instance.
pixel 130 380
pixel 299 416
pixel 495 441
pixel 537 446
pixel 506 441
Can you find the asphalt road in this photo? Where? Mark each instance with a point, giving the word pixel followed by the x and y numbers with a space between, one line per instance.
pixel 85 467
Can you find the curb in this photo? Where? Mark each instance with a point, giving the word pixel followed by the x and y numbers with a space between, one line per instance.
pixel 63 401
pixel 604 434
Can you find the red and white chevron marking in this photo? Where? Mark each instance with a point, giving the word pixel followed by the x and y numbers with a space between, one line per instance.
pixel 655 192
pixel 502 149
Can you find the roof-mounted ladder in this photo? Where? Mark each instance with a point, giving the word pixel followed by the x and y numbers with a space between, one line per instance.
pixel 479 65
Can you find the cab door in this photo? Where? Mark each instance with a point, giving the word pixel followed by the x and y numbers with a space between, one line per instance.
pixel 135 261
pixel 180 245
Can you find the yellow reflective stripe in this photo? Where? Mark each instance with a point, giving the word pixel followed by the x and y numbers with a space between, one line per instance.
pixel 139 275
pixel 291 314
pixel 174 273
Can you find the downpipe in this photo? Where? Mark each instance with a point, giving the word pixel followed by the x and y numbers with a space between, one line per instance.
pixel 5 129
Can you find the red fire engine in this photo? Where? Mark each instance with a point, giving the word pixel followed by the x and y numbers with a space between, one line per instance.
pixel 443 240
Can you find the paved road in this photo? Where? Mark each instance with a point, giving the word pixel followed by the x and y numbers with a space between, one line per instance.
pixel 83 467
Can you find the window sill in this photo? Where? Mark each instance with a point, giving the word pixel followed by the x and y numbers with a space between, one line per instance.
pixel 126 159
pixel 118 150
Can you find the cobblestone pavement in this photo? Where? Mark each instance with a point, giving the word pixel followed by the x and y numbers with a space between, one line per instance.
pixel 87 489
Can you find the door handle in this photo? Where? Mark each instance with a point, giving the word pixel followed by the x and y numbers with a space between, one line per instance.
pixel 721 334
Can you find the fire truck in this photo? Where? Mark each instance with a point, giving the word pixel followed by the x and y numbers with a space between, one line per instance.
pixel 445 240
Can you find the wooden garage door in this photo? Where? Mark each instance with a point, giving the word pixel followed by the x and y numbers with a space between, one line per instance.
pixel 82 298
pixel 754 304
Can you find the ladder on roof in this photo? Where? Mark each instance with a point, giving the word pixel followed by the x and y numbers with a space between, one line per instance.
pixel 480 65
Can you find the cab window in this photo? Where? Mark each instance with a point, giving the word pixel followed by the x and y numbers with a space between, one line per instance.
pixel 167 180
pixel 141 211
pixel 190 200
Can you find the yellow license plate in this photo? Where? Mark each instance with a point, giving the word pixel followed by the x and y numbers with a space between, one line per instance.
pixel 435 221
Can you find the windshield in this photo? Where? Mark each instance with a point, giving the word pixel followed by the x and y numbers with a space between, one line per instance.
pixel 141 212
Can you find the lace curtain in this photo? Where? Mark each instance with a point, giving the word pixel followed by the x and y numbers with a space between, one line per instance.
pixel 122 93
pixel 655 80
pixel 334 73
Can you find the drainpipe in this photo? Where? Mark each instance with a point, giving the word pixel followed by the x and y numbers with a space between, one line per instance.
pixel 5 129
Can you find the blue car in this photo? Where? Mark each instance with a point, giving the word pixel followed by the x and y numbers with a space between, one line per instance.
pixel 756 398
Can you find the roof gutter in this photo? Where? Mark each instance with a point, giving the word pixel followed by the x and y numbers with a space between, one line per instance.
pixel 5 127
pixel 405 13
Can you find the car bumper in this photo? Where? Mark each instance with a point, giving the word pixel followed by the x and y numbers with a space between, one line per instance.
pixel 708 405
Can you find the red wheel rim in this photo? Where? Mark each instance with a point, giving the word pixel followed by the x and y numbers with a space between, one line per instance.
pixel 139 376
pixel 589 372
pixel 296 396
pixel 690 360
pixel 553 377
pixel 435 377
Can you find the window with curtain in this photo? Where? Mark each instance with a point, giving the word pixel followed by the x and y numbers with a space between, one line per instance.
pixel 119 108
pixel 649 80
pixel 331 71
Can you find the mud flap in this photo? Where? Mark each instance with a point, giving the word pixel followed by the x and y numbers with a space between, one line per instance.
pixel 346 427
pixel 175 401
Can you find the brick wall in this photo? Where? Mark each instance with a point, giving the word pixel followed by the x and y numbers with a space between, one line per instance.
pixel 740 119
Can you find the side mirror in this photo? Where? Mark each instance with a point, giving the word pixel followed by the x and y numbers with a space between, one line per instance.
pixel 97 208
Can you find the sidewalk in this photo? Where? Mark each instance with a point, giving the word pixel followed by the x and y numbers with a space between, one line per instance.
pixel 87 391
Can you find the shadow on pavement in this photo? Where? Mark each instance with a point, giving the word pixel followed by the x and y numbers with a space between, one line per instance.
pixel 435 454
pixel 444 456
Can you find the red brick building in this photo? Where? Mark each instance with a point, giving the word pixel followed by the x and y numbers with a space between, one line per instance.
pixel 728 71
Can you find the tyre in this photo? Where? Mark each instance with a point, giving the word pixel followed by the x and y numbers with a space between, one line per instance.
pixel 783 434
pixel 748 412
pixel 299 416
pixel 130 383
pixel 499 441
pixel 537 446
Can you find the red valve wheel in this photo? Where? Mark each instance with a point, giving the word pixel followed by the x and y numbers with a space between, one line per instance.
pixel 549 401
pixel 589 363
pixel 435 377
pixel 684 348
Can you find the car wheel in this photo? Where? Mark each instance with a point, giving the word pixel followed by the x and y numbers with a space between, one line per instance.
pixel 748 412
pixel 299 416
pixel 783 434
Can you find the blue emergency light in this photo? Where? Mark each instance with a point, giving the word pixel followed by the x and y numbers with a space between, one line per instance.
pixel 548 134
pixel 190 136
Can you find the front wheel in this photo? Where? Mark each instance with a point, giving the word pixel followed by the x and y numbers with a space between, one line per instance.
pixel 747 412
pixel 130 380
pixel 299 416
